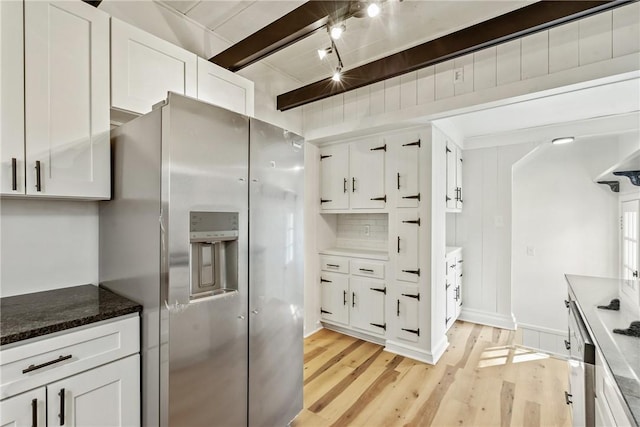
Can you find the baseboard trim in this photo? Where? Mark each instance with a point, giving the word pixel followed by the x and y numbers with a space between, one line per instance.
pixel 356 334
pixel 487 318
pixel 415 353
pixel 318 329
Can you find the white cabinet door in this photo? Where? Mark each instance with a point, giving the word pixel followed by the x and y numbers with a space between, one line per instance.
pixel 458 282
pixel 334 177
pixel 458 178
pixel 334 297
pixel 407 247
pixel 406 161
pixel 367 305
pixel 11 98
pixel 144 68
pixel 406 309
pixel 450 285
pixel 452 171
pixel 219 86
pixel 26 409
pixel 105 396
pixel 66 99
pixel 367 166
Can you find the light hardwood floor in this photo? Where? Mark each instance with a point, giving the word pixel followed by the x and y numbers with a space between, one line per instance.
pixel 481 380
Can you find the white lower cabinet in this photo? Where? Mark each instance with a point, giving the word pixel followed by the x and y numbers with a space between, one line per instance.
pixel 355 297
pixel 407 326
pixel 453 285
pixel 87 377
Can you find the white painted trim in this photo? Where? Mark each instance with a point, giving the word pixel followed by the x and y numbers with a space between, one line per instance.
pixel 414 353
pixel 355 334
pixel 318 329
pixel 488 318
pixel 546 330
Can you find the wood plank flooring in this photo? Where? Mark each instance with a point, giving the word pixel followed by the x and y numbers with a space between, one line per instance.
pixel 483 379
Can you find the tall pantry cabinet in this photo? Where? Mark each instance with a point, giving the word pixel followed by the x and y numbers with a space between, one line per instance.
pixel 54 100
pixel 402 304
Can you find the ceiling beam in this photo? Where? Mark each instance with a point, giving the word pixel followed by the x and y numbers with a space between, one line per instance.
pixel 292 27
pixel 94 3
pixel 515 24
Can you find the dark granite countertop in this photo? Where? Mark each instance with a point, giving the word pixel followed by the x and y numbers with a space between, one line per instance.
pixel 32 315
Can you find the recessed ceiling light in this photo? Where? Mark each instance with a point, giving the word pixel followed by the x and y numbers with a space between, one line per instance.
pixel 337 30
pixel 373 10
pixel 563 140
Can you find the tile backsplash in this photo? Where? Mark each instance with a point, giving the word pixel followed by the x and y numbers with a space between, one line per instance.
pixel 363 231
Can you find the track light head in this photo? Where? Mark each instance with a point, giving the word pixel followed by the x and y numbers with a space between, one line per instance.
pixel 337 75
pixel 336 30
pixel 322 53
pixel 373 10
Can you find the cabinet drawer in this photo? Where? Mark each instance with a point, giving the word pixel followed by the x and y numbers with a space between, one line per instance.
pixel 367 268
pixel 24 367
pixel 335 264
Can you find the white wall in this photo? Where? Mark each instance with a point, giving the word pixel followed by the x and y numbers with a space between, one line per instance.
pixel 562 223
pixel 47 244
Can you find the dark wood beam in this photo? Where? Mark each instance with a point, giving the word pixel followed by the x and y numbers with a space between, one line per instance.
pixel 294 26
pixel 94 3
pixel 530 19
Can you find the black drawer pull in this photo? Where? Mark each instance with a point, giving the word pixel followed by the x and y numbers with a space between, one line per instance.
pixel 377 325
pixel 398 244
pixel 333 265
pixel 417 196
pixel 344 185
pixel 34 413
pixel 413 221
pixel 325 311
pixel 567 345
pixel 367 270
pixel 398 308
pixel 417 272
pixel 398 179
pixel 14 174
pixel 38 176
pixel 344 297
pixel 376 199
pixel 567 398
pixel 383 290
pixel 353 184
pixel 417 296
pixel 326 156
pixel 61 414
pixel 383 148
pixel 353 299
pixel 412 144
pixel 413 331
pixel 325 280
pixel 32 368
pixel 325 201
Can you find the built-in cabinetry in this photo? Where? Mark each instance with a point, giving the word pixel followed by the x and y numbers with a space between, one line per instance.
pixel 352 175
pixel 87 376
pixel 144 68
pixel 54 100
pixel 609 405
pixel 353 293
pixel 454 177
pixel 453 284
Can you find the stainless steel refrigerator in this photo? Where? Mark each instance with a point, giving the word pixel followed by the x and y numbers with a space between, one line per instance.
pixel 204 228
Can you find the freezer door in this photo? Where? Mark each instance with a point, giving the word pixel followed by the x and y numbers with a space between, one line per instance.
pixel 275 275
pixel 204 348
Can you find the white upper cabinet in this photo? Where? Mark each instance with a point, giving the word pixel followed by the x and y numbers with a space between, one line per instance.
pixel 66 100
pixel 405 155
pixel 11 98
pixel 454 177
pixel 144 68
pixel 334 177
pixel 221 87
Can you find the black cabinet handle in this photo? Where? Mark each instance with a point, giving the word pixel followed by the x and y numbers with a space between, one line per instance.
pixel 325 201
pixel 452 266
pixel 398 244
pixel 325 280
pixel 417 196
pixel 333 265
pixel 34 413
pixel 383 148
pixel 378 325
pixel 353 299
pixel 383 290
pixel 38 176
pixel 635 273
pixel 31 368
pixel 412 144
pixel 344 297
pixel 398 180
pixel 567 398
pixel 415 221
pixel 353 184
pixel 460 260
pixel 366 270
pixel 383 198
pixel 344 185
pixel 417 296
pixel 567 345
pixel 14 173
pixel 413 331
pixel 61 414
pixel 398 308
pixel 325 156
pixel 566 303
pixel 416 272
pixel 325 311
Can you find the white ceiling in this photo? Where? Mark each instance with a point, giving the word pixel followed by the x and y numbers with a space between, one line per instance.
pixel 399 26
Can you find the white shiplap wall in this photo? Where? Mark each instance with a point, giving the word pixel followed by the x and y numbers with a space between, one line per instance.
pixel 592 48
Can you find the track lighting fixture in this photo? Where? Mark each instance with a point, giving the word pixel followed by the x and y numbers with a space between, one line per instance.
pixel 373 10
pixel 322 53
pixel 337 75
pixel 336 30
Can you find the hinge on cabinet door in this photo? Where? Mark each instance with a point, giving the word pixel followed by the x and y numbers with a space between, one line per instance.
pixel 417 296
pixel 324 311
pixel 417 272
pixel 460 159
pixel 383 290
pixel 447 320
pixel 410 144
pixel 325 201
pixel 448 150
pixel 413 221
pixel 447 285
pixel 413 331
pixel 447 198
pixel 325 156
pixel 325 280
pixel 417 196
pixel 567 345
pixel 376 199
pixel 383 148
pixel 383 326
